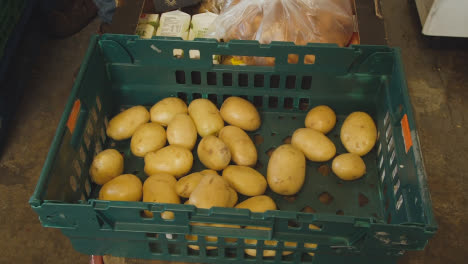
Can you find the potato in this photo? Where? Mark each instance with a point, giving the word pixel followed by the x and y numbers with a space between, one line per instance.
pixel 241 113
pixel 181 131
pixel 260 204
pixel 311 245
pixel 349 166
pixel 163 177
pixel 195 238
pixel 315 145
pixel 126 187
pixel 107 165
pixel 242 148
pixel 321 118
pixel 232 197
pixel 286 170
pixel 208 172
pixel 245 180
pixel 160 188
pixel 209 238
pixel 358 133
pixel 174 160
pixel 164 111
pixel 123 125
pixel 213 153
pixel 185 186
pixel 206 117
pixel 211 191
pixel 266 253
pixel 148 137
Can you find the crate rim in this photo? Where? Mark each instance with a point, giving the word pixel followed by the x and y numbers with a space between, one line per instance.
pixel 36 201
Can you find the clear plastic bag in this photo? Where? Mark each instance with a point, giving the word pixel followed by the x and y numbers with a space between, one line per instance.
pixel 213 6
pixel 298 21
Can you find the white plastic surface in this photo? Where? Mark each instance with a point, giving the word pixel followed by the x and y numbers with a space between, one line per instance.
pixel 448 18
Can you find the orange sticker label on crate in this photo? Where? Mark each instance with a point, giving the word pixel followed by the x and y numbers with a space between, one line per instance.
pixel 73 117
pixel 405 130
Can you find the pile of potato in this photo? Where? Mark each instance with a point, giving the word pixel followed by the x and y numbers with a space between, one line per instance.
pixel 226 149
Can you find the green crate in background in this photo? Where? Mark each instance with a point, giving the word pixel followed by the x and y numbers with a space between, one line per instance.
pixel 376 218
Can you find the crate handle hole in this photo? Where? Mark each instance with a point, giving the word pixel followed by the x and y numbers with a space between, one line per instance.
pixel 293 224
pixel 315 226
pixel 293 58
pixel 309 59
pixel 167 216
pixel 178 53
pixel 194 54
pixel 146 214
pixel 340 212
pixel 151 235
pixel 192 238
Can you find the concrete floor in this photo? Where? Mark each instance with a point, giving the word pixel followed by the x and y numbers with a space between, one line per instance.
pixel 437 73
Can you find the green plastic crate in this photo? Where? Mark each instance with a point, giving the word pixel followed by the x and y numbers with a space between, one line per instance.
pixel 376 218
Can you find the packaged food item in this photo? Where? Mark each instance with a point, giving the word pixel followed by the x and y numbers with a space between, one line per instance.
pixel 298 21
pixel 200 25
pixel 145 31
pixel 174 24
pixel 151 19
pixel 147 25
pixel 199 29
